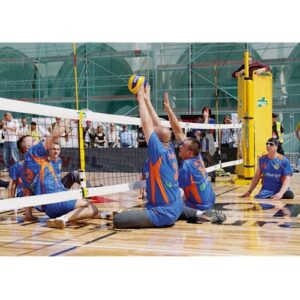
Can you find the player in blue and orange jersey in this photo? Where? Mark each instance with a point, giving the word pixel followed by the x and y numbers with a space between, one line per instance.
pixel 199 196
pixel 71 177
pixel 15 189
pixel 164 204
pixel 39 177
pixel 275 171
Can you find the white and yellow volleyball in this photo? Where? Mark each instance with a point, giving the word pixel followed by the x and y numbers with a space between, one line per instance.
pixel 135 81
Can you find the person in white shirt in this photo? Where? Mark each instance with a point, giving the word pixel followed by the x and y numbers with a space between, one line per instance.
pixel 10 151
pixel 23 128
pixel 227 135
pixel 112 136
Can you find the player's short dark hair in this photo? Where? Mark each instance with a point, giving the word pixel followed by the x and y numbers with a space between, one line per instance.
pixel 273 140
pixel 194 146
pixel 21 142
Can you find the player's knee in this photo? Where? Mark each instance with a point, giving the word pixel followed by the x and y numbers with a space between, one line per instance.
pixel 94 210
pixel 288 195
pixel 82 203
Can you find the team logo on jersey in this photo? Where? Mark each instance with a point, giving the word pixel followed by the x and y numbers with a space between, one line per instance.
pixel 276 167
pixel 202 186
pixel 263 165
pixel 169 185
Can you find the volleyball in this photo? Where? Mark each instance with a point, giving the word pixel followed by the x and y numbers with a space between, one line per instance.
pixel 135 81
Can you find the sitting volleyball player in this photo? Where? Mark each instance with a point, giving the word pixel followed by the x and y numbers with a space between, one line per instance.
pixel 199 196
pixel 71 177
pixel 39 177
pixel 164 204
pixel 275 171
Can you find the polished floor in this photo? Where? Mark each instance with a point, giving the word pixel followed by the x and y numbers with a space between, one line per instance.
pixel 252 227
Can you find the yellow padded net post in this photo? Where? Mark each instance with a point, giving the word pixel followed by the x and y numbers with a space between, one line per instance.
pixel 255 111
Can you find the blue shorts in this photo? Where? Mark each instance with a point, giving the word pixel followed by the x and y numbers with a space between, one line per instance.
pixel 264 194
pixel 165 215
pixel 55 210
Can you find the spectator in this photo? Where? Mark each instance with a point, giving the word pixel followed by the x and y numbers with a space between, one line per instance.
pixel 227 135
pixel 228 139
pixel 126 137
pixel 141 138
pixel 112 136
pixel 277 132
pixel 1 134
pixel 100 141
pixel 89 135
pixel 23 129
pixel 255 67
pixel 10 152
pixel 37 132
pixel 66 134
pixel 207 144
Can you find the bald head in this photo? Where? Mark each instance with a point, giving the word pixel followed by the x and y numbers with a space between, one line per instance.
pixel 8 116
pixel 163 133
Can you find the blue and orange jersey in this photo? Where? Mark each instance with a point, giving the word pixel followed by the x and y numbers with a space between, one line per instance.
pixel 164 202
pixel 273 171
pixel 162 182
pixel 57 165
pixel 194 181
pixel 38 173
pixel 15 174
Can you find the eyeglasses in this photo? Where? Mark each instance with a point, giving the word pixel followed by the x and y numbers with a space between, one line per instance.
pixel 270 144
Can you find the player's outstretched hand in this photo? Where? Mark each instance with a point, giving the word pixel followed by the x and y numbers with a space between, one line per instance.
pixel 140 96
pixel 247 194
pixel 277 196
pixel 167 106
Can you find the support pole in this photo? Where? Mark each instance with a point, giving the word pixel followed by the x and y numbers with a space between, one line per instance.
pixel 80 130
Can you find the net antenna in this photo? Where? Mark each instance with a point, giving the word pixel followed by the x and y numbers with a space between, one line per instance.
pixel 80 129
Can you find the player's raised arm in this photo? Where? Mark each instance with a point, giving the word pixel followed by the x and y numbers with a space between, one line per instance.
pixel 153 114
pixel 180 136
pixel 146 119
pixel 57 132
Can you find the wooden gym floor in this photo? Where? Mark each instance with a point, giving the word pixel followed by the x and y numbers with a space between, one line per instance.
pixel 252 228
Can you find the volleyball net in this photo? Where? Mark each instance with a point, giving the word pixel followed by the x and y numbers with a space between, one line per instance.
pixel 114 151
